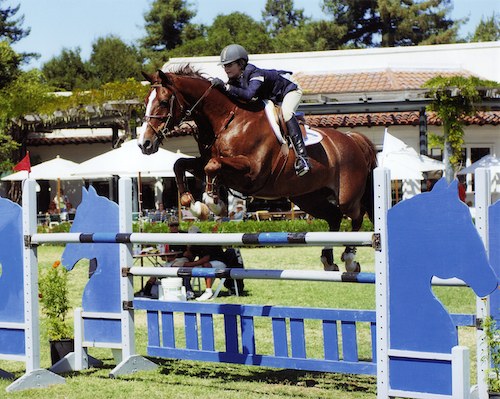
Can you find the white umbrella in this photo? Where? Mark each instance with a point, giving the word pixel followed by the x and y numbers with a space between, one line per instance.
pixel 403 161
pixel 129 161
pixel 55 169
pixel 488 161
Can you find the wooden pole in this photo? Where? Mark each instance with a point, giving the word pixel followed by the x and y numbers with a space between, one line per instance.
pixel 58 196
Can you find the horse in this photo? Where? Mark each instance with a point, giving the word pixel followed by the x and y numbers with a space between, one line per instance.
pixel 102 292
pixel 429 235
pixel 239 150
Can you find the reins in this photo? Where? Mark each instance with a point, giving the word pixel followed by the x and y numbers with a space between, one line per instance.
pixel 162 133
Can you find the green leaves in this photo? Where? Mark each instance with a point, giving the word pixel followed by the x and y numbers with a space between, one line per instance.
pixel 453 100
pixel 53 288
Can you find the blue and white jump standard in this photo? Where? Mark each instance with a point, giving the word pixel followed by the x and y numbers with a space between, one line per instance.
pixel 413 349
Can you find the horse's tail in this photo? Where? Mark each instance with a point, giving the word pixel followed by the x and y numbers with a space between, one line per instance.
pixel 370 153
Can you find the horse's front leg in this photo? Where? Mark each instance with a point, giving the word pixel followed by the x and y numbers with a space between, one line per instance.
pixel 195 167
pixel 181 166
pixel 214 169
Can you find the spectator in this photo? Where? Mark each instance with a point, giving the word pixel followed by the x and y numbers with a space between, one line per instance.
pixel 462 189
pixel 239 212
pixel 151 287
pixel 205 256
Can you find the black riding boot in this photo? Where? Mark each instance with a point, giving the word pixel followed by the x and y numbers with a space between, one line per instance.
pixel 302 165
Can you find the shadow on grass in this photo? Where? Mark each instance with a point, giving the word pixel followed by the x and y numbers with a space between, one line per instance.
pixel 230 373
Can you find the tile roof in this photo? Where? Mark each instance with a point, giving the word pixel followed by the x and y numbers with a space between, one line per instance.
pixel 387 80
pixel 38 141
pixel 395 118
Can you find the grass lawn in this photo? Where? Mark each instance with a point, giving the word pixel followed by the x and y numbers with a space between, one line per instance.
pixel 186 379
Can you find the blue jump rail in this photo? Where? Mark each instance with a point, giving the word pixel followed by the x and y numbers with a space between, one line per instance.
pixel 339 335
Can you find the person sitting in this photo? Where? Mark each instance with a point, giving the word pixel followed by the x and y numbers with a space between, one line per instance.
pixel 205 256
pixel 238 213
pixel 247 82
pixel 151 287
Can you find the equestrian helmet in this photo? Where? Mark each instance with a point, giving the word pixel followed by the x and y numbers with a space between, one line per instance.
pixel 232 53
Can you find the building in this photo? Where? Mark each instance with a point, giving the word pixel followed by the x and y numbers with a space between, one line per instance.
pixel 364 90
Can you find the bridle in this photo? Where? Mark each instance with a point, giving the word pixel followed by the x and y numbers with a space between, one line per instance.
pixel 162 132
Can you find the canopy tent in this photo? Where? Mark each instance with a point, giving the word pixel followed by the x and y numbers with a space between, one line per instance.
pixel 488 161
pixel 55 169
pixel 403 161
pixel 129 161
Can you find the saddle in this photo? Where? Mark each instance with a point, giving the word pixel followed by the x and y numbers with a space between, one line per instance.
pixel 275 116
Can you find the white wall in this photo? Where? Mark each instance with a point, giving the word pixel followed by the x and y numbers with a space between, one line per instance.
pixel 482 59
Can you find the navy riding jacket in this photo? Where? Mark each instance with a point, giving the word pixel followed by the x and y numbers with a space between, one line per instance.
pixel 263 84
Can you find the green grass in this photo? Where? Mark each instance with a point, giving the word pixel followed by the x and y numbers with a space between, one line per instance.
pixel 186 379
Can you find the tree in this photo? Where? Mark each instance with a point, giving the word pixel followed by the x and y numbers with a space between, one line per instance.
pixel 21 96
pixel 453 99
pixel 238 28
pixel 9 64
pixel 226 29
pixel 488 30
pixel 66 71
pixel 279 15
pixel 112 60
pixel 397 23
pixel 9 28
pixel 12 31
pixel 165 23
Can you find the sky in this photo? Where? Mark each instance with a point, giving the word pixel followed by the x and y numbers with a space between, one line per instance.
pixel 59 24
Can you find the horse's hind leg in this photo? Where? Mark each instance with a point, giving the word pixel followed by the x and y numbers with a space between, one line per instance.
pixel 349 254
pixel 317 205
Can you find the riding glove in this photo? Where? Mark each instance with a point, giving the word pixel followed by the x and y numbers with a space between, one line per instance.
pixel 219 83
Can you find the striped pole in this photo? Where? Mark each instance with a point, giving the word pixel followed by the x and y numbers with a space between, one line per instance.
pixel 367 239
pixel 269 274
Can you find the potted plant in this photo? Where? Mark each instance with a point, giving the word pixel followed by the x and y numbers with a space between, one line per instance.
pixel 492 337
pixel 53 288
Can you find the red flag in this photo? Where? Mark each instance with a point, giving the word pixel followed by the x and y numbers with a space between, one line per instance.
pixel 24 164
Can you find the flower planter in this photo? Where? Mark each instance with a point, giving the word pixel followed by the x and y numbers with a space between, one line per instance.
pixel 60 348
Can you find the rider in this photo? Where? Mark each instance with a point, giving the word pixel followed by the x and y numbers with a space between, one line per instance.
pixel 247 82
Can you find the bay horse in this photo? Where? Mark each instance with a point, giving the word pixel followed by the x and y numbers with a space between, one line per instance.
pixel 239 150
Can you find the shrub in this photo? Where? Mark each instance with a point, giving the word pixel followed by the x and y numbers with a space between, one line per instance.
pixel 53 288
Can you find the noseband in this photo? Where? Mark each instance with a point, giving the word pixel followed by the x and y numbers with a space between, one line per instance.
pixel 162 132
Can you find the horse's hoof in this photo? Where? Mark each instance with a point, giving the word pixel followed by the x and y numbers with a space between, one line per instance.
pixel 329 267
pixel 353 267
pixel 186 199
pixel 200 210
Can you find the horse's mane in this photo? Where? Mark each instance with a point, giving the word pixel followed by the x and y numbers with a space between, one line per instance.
pixel 188 70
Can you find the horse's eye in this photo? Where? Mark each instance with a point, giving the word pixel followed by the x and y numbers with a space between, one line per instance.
pixel 163 103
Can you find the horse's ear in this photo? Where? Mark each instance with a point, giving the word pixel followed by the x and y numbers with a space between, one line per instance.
pixel 164 78
pixel 85 193
pixel 148 77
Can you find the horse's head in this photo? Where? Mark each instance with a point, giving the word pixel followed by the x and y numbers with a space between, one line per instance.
pixel 170 102
pixel 163 111
pixel 434 234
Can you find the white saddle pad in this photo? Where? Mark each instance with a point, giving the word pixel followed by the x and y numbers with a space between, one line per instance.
pixel 313 136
